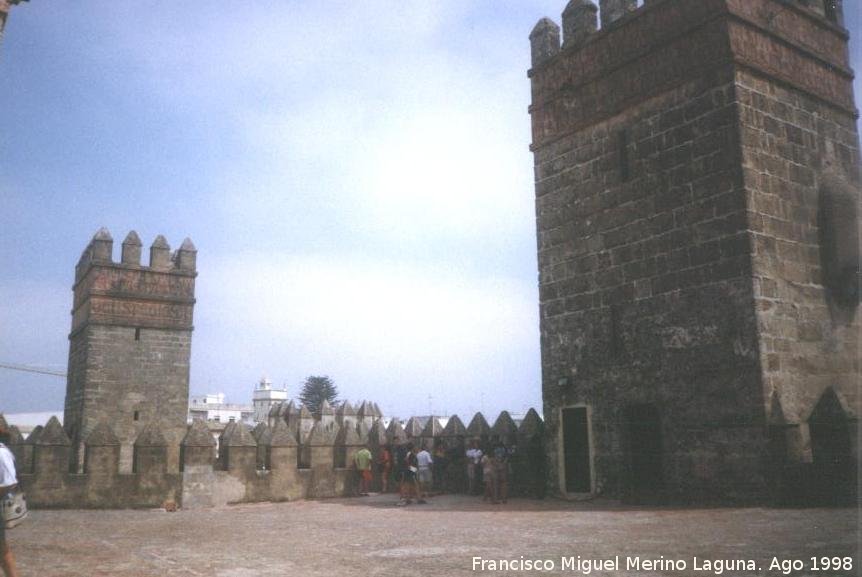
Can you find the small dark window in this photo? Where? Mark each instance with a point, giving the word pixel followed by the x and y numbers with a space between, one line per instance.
pixel 137 334
pixel 623 147
pixel 137 416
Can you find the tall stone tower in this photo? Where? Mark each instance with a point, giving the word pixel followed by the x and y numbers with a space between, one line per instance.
pixel 697 179
pixel 130 343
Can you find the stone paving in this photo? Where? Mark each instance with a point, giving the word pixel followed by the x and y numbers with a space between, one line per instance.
pixel 371 536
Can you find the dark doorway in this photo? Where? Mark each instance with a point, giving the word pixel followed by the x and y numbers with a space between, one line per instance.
pixel 645 448
pixel 576 450
pixel 833 472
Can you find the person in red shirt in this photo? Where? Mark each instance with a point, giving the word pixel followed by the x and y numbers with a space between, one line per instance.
pixel 384 464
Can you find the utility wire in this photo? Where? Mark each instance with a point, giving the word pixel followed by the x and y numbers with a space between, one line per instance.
pixel 26 369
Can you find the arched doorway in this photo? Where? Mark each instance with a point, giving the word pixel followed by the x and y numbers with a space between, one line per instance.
pixel 833 471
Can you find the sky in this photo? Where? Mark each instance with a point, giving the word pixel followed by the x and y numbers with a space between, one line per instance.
pixel 355 175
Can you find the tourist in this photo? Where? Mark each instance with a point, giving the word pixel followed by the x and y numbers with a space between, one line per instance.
pixel 501 473
pixel 455 469
pixel 489 479
pixel 409 467
pixel 438 467
pixel 384 465
pixel 474 460
pixel 423 477
pixel 362 459
pixel 8 483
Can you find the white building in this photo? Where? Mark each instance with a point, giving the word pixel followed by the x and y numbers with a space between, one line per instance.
pixel 264 397
pixel 213 408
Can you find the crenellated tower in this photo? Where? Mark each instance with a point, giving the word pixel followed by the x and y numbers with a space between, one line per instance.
pixel 130 343
pixel 697 202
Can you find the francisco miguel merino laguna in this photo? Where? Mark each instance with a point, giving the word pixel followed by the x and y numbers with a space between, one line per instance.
pixel 585 566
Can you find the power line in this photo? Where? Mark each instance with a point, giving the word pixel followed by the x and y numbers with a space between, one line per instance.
pixel 26 369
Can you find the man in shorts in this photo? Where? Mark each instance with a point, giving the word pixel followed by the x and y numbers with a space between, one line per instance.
pixel 8 483
pixel 362 459
pixel 424 462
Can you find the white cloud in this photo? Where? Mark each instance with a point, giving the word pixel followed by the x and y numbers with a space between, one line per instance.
pixel 377 326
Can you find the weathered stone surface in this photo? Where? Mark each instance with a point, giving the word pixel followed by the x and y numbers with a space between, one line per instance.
pixel 432 428
pixel 321 436
pixel 53 434
pixel 102 436
pixel 679 163
pixel 505 430
pixel 544 40
pixel 130 344
pixel 395 433
pixel 478 426
pixel 237 436
pixel 348 437
pixel 455 428
pixel 15 436
pixel 531 426
pixel 259 431
pixel 198 435
pixel 34 435
pixel 413 428
pixel 283 436
pixel 151 436
pixel 580 21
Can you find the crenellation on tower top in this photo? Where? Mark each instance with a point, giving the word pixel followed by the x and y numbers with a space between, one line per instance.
pixel 102 246
pixel 186 256
pixel 580 21
pixel 131 253
pixel 160 254
pixel 613 10
pixel 544 41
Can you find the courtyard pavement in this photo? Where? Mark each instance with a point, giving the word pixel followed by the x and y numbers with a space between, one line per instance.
pixel 371 536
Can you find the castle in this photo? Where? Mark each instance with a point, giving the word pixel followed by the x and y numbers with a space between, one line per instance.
pixel 697 178
pixel 125 441
pixel 697 196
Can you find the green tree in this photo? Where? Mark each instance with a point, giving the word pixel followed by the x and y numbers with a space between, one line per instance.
pixel 315 390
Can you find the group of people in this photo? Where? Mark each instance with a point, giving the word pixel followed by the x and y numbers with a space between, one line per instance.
pixel 419 473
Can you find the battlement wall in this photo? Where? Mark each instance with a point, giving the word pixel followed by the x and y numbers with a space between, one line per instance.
pixel 126 293
pixel 586 75
pixel 285 459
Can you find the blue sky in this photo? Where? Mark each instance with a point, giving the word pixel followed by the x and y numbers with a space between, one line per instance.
pixel 355 175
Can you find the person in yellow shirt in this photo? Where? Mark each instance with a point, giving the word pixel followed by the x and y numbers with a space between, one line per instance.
pixel 362 460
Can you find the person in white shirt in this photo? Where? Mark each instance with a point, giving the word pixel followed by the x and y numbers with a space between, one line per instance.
pixel 424 462
pixel 474 459
pixel 8 483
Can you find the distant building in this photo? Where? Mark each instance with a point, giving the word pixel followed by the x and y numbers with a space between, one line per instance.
pixel 265 397
pixel 213 408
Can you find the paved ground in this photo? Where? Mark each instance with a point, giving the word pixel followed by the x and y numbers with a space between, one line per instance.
pixel 370 536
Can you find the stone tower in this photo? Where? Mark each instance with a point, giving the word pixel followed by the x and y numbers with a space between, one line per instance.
pixel 697 179
pixel 130 343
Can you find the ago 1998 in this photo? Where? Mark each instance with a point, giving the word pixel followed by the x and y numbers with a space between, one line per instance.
pixel 787 566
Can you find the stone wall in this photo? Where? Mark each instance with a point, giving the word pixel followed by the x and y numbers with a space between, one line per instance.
pixel 648 154
pixel 252 466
